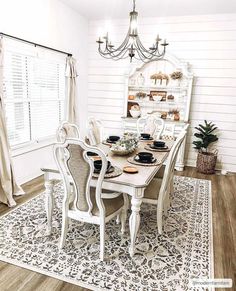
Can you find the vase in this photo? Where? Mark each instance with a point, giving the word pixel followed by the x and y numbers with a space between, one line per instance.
pixel 140 80
pixel 176 82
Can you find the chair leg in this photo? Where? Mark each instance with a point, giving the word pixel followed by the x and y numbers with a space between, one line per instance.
pixel 118 219
pixel 124 213
pixel 159 216
pixel 102 240
pixel 65 222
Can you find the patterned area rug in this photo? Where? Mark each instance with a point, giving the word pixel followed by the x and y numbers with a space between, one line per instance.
pixel 162 262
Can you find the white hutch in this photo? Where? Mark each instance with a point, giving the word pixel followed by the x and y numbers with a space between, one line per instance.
pixel 160 95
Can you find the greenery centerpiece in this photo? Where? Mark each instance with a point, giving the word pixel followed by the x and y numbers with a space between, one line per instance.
pixel 206 160
pixel 126 145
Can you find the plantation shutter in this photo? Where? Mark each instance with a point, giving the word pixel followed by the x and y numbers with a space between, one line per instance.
pixel 34 92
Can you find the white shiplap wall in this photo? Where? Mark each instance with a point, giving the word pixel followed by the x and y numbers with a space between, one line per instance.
pixel 208 43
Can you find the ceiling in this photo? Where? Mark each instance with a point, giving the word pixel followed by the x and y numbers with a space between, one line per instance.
pixel 100 9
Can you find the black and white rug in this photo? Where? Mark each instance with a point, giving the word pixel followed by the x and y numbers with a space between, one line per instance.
pixel 162 262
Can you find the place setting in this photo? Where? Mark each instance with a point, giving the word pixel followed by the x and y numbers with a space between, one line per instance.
pixel 111 172
pixel 145 137
pixel 144 159
pixel 158 146
pixel 112 139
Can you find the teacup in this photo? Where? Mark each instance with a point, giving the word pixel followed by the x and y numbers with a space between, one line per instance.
pixel 159 144
pixel 145 135
pixel 145 157
pixel 98 165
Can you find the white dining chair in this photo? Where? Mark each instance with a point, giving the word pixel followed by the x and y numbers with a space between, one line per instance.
pixel 150 124
pixel 168 132
pixel 159 189
pixel 87 204
pixel 66 130
pixel 95 131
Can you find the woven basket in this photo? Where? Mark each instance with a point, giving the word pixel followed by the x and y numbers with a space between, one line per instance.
pixel 206 163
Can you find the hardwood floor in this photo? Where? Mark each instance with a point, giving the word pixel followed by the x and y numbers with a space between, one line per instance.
pixel 13 278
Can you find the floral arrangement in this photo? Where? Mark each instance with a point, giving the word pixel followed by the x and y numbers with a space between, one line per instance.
pixel 160 76
pixel 176 75
pixel 141 95
pixel 127 144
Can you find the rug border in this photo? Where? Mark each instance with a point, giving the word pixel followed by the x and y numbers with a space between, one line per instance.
pixel 84 285
pixel 42 272
pixel 212 266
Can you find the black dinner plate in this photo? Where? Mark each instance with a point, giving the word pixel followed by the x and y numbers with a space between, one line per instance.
pixel 110 170
pixel 158 148
pixel 111 141
pixel 150 138
pixel 137 159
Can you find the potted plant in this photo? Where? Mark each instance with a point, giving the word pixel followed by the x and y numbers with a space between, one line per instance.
pixel 176 77
pixel 206 160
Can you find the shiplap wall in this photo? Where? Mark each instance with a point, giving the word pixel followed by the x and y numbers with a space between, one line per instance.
pixel 208 43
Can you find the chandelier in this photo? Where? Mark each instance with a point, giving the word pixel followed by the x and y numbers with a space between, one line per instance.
pixel 131 47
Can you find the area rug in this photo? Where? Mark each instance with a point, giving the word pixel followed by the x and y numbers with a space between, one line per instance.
pixel 162 262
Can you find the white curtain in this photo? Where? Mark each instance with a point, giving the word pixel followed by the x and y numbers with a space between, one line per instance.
pixel 71 75
pixel 8 184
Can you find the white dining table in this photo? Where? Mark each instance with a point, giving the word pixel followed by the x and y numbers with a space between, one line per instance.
pixel 132 184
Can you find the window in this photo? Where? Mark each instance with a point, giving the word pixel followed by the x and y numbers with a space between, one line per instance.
pixel 34 92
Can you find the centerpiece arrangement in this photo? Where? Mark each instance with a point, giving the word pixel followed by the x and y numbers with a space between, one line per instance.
pixel 126 145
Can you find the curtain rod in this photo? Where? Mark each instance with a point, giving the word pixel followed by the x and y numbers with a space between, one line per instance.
pixel 35 44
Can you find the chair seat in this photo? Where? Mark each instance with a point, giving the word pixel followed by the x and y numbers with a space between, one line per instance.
pixel 111 205
pixel 152 191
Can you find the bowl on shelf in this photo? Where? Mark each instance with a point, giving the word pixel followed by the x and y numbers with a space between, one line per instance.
pixel 157 98
pixel 135 113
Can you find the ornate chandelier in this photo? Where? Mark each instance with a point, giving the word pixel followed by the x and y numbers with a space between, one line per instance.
pixel 132 46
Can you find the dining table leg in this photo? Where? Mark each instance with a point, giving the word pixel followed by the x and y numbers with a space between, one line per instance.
pixel 134 220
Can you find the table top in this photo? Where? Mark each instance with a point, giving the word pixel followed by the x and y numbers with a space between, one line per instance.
pixel 139 180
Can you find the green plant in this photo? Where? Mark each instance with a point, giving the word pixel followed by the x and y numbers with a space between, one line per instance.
pixel 205 136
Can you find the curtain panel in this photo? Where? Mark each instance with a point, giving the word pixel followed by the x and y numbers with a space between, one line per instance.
pixel 71 75
pixel 8 184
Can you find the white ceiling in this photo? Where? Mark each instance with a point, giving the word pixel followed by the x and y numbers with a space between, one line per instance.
pixel 100 9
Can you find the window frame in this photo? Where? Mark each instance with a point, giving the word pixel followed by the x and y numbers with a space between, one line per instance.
pixel 48 140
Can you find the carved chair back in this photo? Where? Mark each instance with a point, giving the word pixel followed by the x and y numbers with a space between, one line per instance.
pixel 95 131
pixel 170 165
pixel 150 124
pixel 79 167
pixel 67 130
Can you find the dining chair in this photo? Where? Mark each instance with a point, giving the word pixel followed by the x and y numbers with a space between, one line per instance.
pixel 168 132
pixel 160 173
pixel 87 204
pixel 66 130
pixel 150 124
pixel 158 190
pixel 95 131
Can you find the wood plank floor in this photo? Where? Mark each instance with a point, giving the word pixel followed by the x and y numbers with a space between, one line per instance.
pixel 13 278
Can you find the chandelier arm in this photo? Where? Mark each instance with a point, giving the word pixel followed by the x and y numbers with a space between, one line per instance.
pixel 144 56
pixel 114 54
pixel 143 53
pixel 151 52
pixel 123 45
